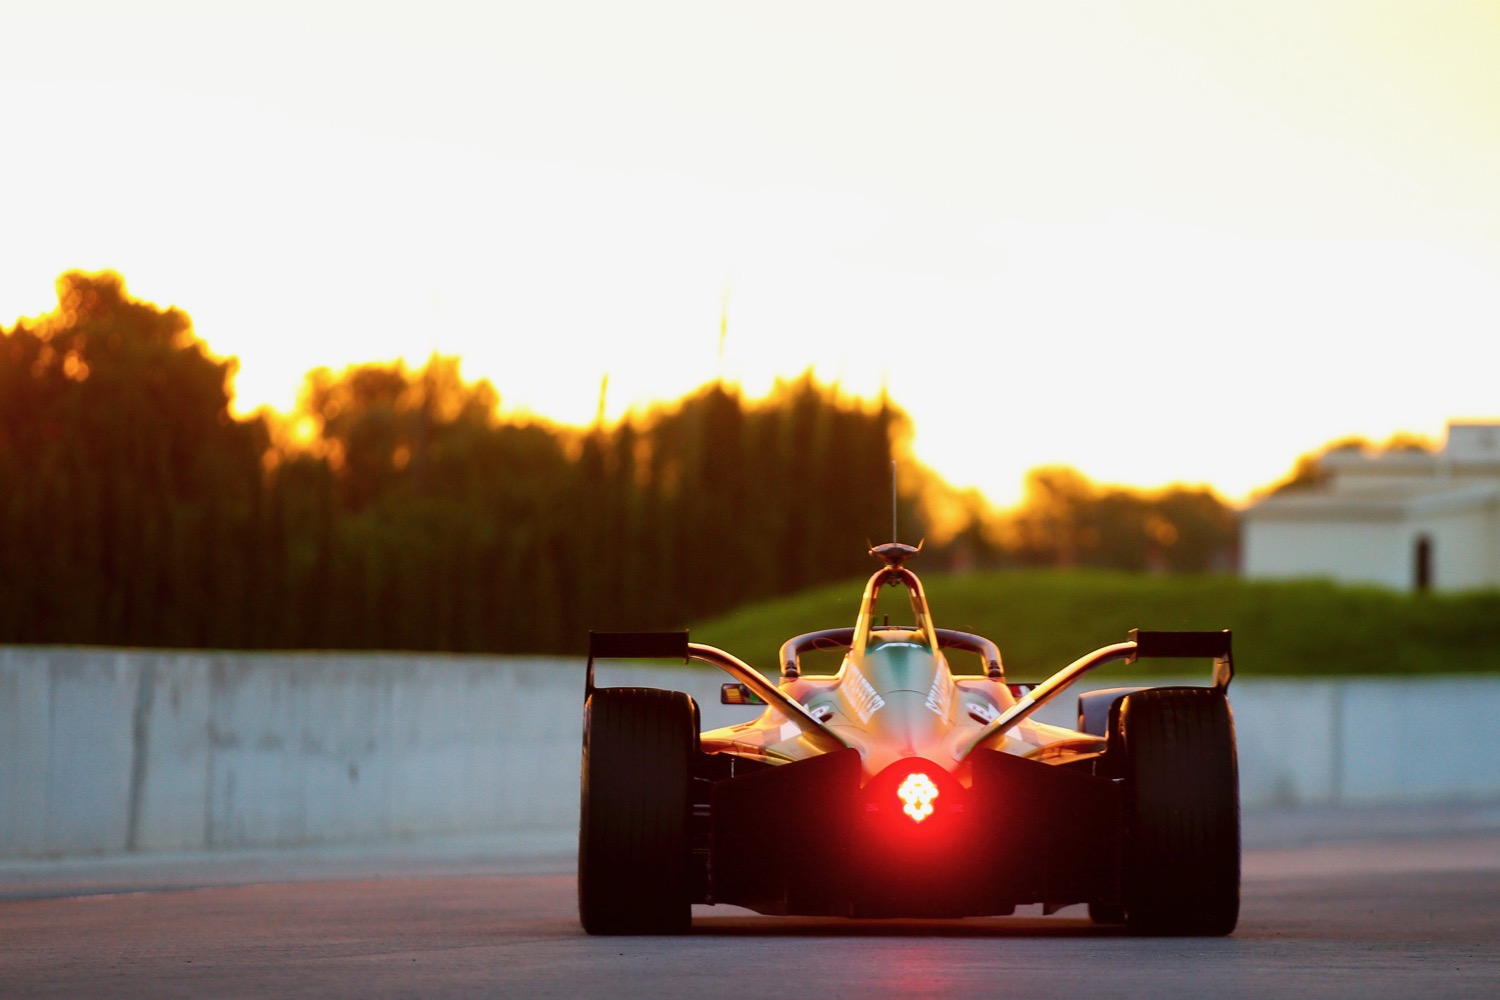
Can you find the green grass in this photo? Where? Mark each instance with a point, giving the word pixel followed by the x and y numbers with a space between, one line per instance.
pixel 1044 619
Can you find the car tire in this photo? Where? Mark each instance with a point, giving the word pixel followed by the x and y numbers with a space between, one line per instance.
pixel 1181 871
pixel 633 846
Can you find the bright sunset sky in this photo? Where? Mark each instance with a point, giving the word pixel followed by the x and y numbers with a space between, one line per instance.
pixel 1158 241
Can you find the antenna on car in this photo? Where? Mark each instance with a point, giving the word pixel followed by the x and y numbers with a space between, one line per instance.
pixel 893 553
pixel 894 536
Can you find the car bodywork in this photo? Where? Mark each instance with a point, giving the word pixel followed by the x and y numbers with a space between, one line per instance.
pixel 897 787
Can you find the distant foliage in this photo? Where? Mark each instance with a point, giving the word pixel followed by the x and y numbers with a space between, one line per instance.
pixel 432 525
pixel 396 510
pixel 136 510
pixel 130 500
pixel 1065 520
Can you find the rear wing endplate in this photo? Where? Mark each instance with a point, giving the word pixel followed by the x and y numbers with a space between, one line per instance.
pixel 634 646
pixel 1207 645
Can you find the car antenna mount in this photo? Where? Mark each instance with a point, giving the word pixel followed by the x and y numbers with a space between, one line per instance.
pixel 894 553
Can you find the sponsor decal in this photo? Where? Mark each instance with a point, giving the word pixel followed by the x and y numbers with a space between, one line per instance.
pixel 861 694
pixel 940 695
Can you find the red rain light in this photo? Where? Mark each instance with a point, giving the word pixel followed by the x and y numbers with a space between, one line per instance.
pixel 917 793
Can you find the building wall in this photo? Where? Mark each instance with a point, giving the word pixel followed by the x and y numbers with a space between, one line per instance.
pixel 1339 538
pixel 1350 551
pixel 1464 543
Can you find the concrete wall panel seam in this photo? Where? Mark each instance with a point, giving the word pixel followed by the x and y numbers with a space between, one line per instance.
pixel 140 749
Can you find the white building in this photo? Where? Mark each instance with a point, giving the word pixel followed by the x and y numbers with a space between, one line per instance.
pixel 1408 520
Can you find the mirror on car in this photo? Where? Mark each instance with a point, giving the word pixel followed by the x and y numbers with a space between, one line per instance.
pixel 738 694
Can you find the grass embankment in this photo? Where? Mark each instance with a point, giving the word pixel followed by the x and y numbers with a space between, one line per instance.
pixel 1044 619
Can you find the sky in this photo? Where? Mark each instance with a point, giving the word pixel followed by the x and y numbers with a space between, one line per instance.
pixel 1164 241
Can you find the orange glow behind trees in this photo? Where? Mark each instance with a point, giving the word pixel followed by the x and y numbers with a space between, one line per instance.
pixel 397 509
pixel 137 510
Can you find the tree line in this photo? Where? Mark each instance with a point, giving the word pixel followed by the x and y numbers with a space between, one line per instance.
pixel 397 509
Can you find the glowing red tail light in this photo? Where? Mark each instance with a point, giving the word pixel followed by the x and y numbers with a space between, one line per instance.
pixel 917 793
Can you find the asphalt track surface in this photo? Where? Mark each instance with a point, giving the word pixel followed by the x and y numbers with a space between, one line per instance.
pixel 1371 903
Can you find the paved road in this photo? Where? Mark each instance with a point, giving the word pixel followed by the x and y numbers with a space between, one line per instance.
pixel 1392 903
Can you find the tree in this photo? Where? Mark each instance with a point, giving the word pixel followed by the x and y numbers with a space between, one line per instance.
pixel 1066 520
pixel 136 509
pixel 1050 527
pixel 131 492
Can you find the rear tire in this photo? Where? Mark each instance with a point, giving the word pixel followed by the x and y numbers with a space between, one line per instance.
pixel 1182 854
pixel 633 847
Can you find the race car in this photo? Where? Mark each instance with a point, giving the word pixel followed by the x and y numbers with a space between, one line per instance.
pixel 897 787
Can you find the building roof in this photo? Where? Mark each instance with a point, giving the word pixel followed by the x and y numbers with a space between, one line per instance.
pixel 1396 485
pixel 1374 504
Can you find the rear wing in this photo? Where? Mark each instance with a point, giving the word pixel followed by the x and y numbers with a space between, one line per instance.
pixel 634 646
pixel 1206 645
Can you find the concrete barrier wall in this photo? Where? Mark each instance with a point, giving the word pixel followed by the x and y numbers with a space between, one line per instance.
pixel 1356 741
pixel 110 751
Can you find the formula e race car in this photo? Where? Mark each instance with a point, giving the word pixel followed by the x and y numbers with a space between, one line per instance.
pixel 897 788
